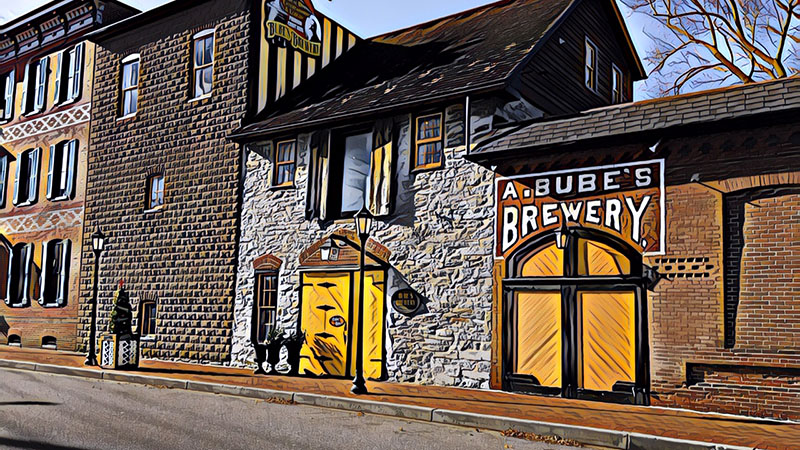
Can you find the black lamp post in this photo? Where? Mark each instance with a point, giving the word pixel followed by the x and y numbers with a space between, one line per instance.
pixel 363 226
pixel 98 245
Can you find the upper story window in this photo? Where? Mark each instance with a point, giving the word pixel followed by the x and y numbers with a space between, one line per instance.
pixel 155 191
pixel 355 173
pixel 429 142
pixel 591 65
pixel 617 86
pixel 35 86
pixel 7 86
pixel 69 74
pixel 265 304
pixel 285 154
pixel 62 170
pixel 130 85
pixel 55 272
pixel 20 266
pixel 26 184
pixel 203 63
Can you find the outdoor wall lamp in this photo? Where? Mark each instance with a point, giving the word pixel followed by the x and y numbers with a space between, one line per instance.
pixel 98 246
pixel 562 235
pixel 363 220
pixel 329 251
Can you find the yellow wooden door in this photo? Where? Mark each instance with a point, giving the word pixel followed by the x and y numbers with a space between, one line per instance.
pixel 374 310
pixel 539 342
pixel 325 319
pixel 608 333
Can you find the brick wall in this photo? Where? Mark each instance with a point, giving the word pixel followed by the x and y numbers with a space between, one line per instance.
pixel 184 254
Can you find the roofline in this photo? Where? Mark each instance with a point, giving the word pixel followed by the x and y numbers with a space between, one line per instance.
pixel 509 152
pixel 439 19
pixel 129 23
pixel 631 46
pixel 52 6
pixel 311 124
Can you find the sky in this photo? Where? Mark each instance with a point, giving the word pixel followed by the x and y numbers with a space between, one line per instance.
pixel 365 17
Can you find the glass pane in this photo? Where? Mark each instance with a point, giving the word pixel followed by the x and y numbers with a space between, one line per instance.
pixel 608 333
pixel 208 54
pixel 198 53
pixel 428 127
pixel 356 171
pixel 547 262
pixel 597 259
pixel 428 154
pixel 134 74
pixel 539 342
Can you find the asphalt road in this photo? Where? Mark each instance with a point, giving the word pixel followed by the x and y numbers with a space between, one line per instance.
pixel 42 411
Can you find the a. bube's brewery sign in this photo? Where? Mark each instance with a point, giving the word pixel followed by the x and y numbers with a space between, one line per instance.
pixel 293 23
pixel 626 200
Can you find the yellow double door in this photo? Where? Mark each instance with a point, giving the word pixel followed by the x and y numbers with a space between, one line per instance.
pixel 328 316
pixel 606 338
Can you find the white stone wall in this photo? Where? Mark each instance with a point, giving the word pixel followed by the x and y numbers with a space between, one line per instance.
pixel 441 239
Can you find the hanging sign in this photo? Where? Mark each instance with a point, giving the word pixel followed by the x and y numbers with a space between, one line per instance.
pixel 405 302
pixel 293 23
pixel 626 200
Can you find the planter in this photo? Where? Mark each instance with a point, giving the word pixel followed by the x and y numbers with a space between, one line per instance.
pixel 261 356
pixel 294 344
pixel 119 352
pixel 274 355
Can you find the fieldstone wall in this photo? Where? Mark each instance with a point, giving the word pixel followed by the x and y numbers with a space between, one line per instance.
pixel 440 236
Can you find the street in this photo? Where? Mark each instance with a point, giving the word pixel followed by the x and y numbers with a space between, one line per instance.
pixel 42 411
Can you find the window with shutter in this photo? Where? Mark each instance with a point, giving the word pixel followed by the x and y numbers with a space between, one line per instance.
pixel 3 183
pixel 62 170
pixel 8 86
pixel 26 184
pixel 55 273
pixel 19 275
pixel 40 89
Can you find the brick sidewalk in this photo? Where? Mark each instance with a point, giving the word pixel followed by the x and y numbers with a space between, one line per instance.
pixel 677 424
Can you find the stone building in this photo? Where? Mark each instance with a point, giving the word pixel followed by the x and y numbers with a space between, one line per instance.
pixel 387 127
pixel 46 73
pixel 163 179
pixel 668 267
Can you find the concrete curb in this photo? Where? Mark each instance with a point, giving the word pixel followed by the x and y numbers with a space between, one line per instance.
pixel 585 435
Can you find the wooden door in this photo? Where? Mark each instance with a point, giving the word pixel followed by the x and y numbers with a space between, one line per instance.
pixel 325 317
pixel 608 339
pixel 539 343
pixel 374 312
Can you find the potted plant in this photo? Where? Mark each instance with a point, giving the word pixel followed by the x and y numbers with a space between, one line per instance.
pixel 261 356
pixel 273 344
pixel 294 343
pixel 120 347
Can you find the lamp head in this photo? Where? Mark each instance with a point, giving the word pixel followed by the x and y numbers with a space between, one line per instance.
pixel 562 235
pixel 98 241
pixel 364 221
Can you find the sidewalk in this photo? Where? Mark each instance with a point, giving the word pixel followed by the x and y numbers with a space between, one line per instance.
pixel 576 419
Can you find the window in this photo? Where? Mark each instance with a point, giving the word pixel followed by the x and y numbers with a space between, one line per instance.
pixel 616 84
pixel 155 191
pixel 429 142
pixel 591 65
pixel 19 275
pixel 69 75
pixel 56 257
pixel 203 63
pixel 130 85
pixel 62 170
pixel 284 163
pixel 265 304
pixel 3 180
pixel 7 85
pixel 35 86
pixel 26 185
pixel 355 173
pixel 147 317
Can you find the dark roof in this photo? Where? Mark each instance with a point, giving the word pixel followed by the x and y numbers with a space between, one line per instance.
pixel 45 9
pixel 707 107
pixel 133 22
pixel 472 51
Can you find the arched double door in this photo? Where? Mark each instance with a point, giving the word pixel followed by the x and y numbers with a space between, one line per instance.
pixel 576 319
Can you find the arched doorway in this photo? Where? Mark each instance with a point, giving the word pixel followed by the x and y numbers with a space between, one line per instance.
pixel 576 319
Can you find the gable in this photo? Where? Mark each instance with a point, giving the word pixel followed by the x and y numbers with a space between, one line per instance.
pixel 293 43
pixel 553 79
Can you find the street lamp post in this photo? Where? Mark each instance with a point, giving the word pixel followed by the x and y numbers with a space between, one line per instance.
pixel 363 226
pixel 98 245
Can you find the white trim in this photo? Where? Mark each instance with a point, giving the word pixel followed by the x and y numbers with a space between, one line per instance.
pixel 662 201
pixel 130 58
pixel 202 97
pixel 125 117
pixel 203 33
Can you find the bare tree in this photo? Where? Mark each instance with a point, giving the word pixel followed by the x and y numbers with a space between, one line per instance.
pixel 717 42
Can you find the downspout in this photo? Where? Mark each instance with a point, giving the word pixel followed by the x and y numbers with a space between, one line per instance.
pixel 467 126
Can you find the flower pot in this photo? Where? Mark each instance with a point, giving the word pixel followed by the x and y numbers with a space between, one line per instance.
pixel 261 356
